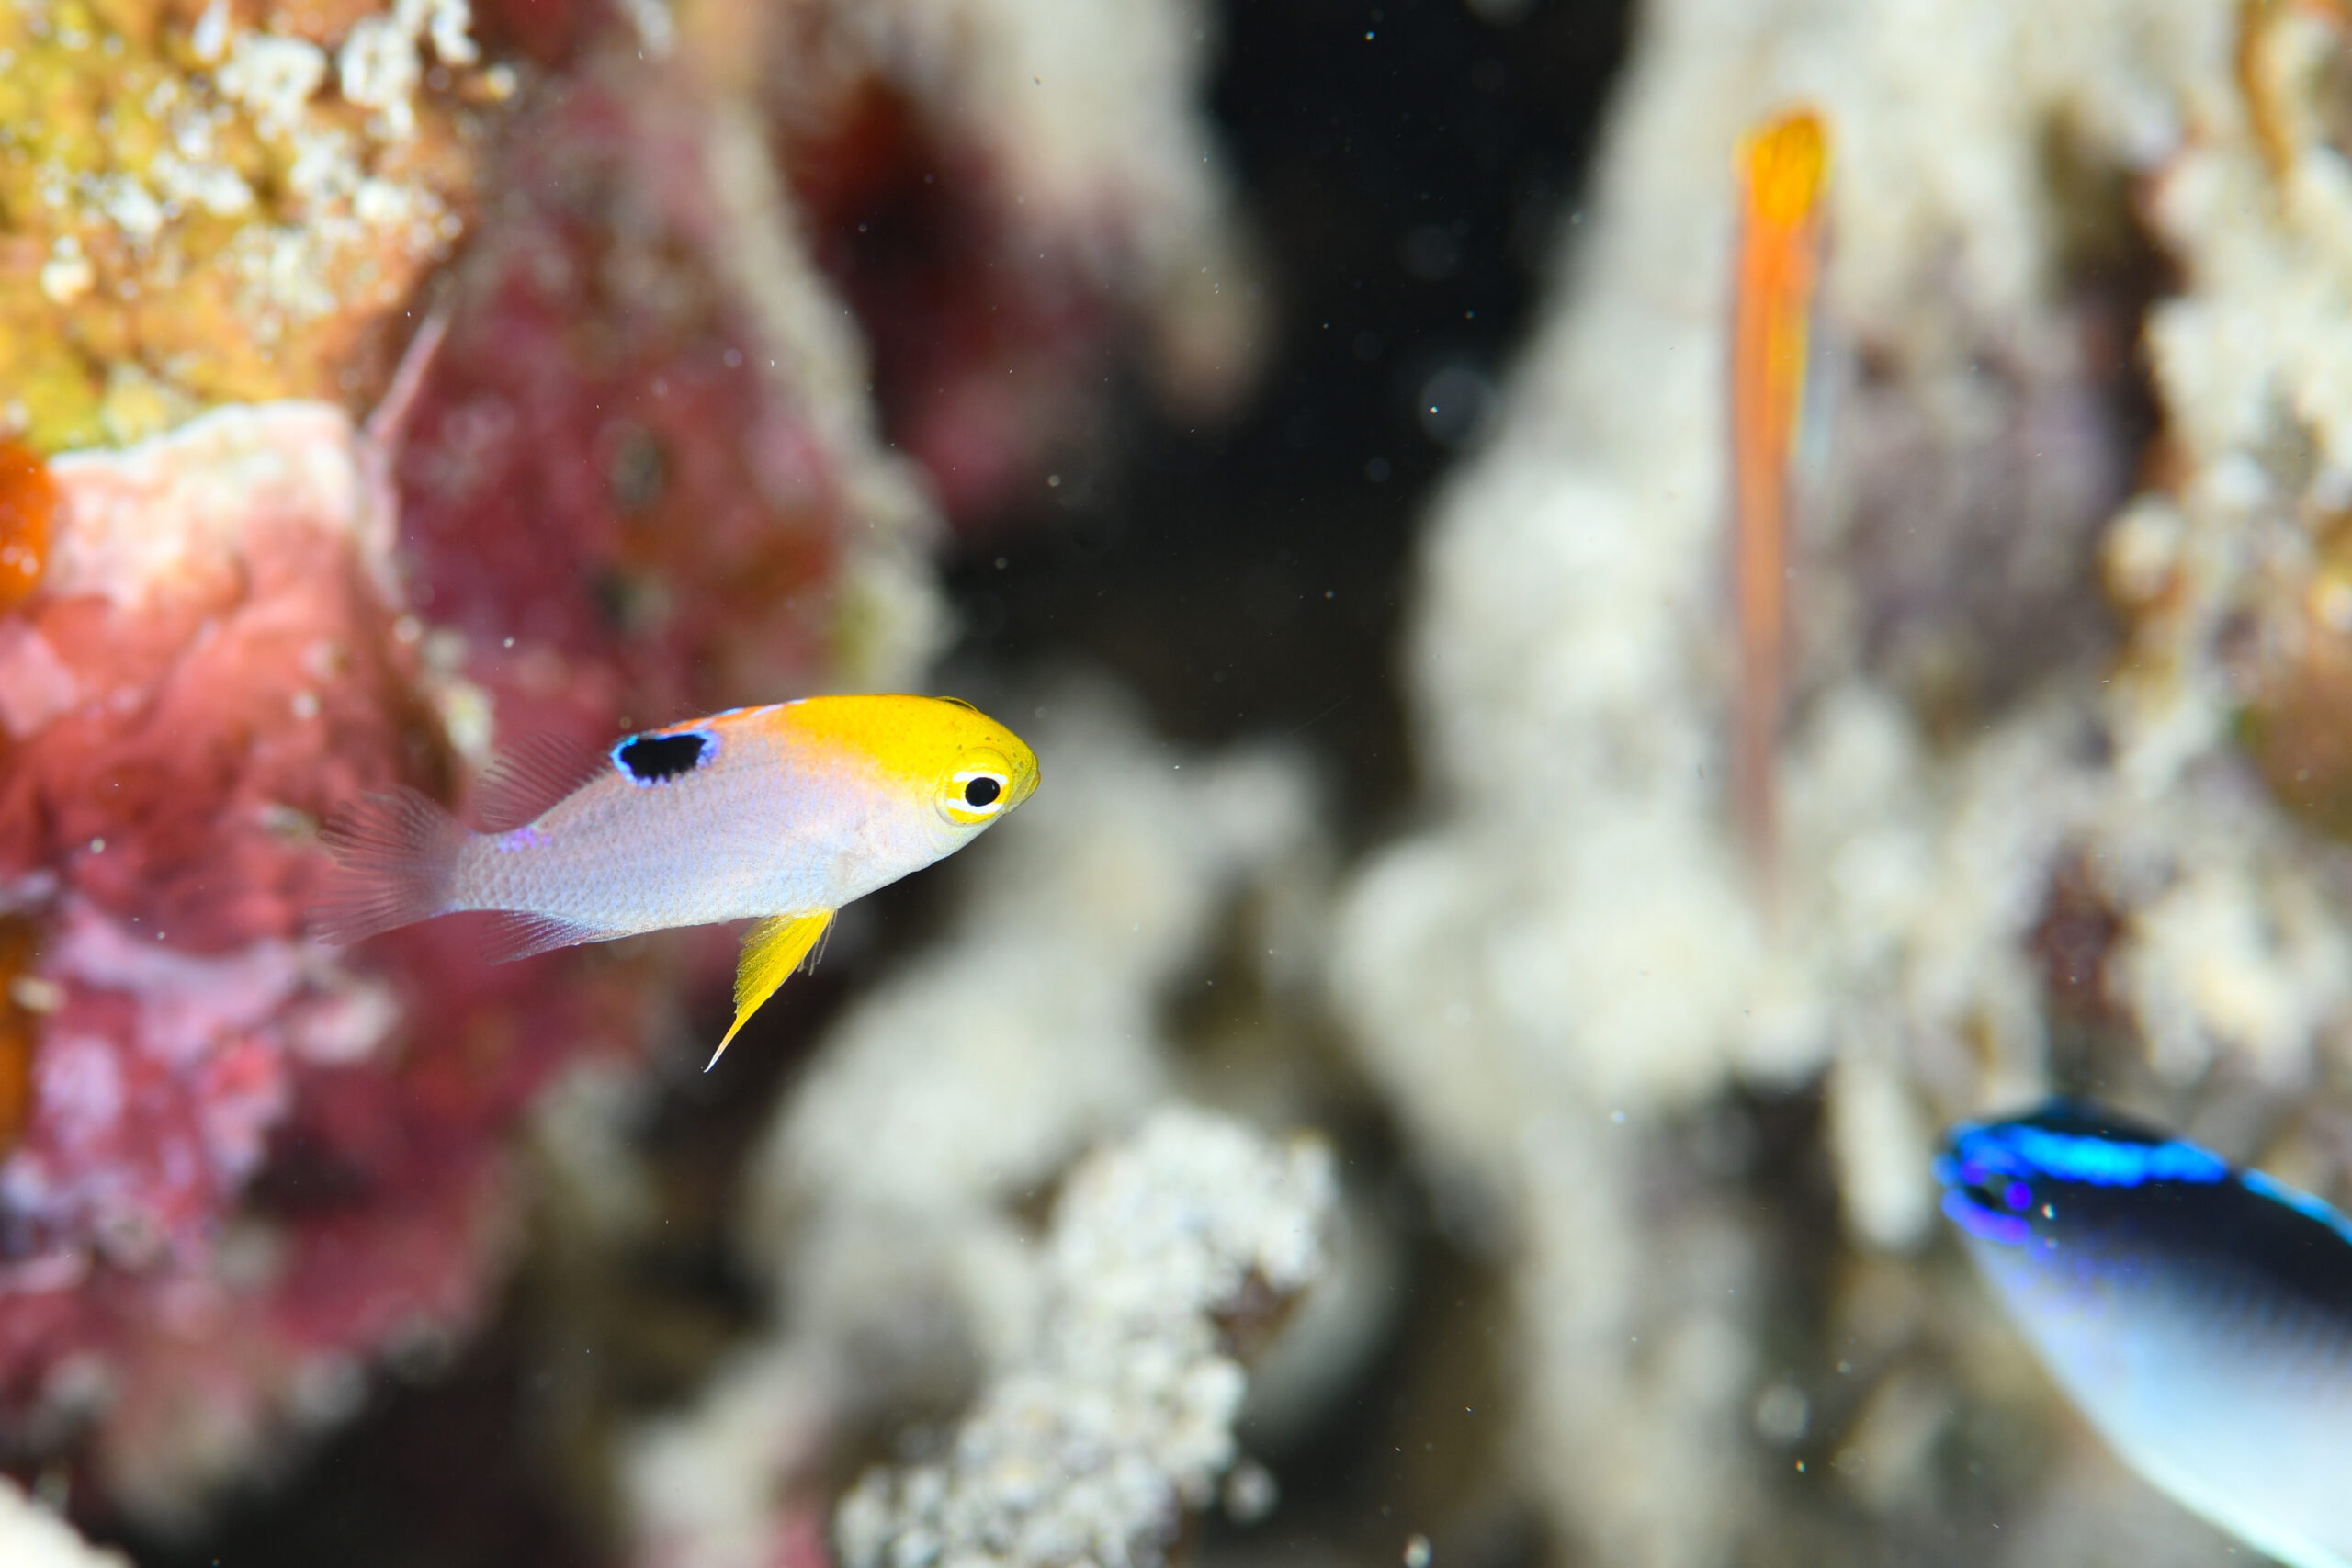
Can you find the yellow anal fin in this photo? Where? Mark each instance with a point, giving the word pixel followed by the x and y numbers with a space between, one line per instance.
pixel 772 951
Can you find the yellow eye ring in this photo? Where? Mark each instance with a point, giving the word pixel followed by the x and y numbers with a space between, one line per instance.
pixel 975 794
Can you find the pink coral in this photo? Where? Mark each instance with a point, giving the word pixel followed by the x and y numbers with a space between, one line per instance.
pixel 990 353
pixel 213 663
pixel 639 476
pixel 606 486
pixel 251 1164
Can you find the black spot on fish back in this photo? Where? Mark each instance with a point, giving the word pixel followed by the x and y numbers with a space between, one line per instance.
pixel 656 759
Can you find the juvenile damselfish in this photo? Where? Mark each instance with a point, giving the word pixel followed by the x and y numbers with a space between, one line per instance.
pixel 785 813
pixel 2200 1316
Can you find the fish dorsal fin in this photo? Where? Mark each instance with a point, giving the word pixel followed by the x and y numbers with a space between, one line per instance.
pixel 527 778
pixel 772 951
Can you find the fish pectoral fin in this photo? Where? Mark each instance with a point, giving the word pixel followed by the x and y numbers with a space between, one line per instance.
pixel 772 951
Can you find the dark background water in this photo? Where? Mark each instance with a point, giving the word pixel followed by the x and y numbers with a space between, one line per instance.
pixel 1408 189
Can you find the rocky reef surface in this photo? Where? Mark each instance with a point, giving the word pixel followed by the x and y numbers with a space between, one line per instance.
pixel 377 387
pixel 2060 578
pixel 382 385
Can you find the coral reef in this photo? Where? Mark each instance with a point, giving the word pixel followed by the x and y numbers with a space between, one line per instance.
pixel 2009 858
pixel 219 212
pixel 384 384
pixel 622 459
pixel 884 1202
pixel 33 1538
pixel 240 1168
pixel 1163 1252
pixel 995 182
pixel 642 382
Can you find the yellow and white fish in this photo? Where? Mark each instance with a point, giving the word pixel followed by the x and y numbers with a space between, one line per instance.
pixel 786 813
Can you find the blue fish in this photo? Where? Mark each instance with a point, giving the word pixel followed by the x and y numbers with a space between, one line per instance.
pixel 2200 1316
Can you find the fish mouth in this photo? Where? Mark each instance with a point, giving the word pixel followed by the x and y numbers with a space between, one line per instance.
pixel 1025 778
pixel 1988 1190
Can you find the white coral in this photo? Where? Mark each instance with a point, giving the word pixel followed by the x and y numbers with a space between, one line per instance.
pixel 1121 1416
pixel 378 69
pixel 1575 937
pixel 32 1536
pixel 273 78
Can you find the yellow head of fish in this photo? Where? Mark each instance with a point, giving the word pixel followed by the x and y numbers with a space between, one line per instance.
pixel 935 771
pixel 970 769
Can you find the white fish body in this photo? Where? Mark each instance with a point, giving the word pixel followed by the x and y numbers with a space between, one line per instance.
pixel 763 826
pixel 2200 1317
pixel 785 813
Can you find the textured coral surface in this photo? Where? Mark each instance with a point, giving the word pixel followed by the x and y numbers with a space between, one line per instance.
pixel 1090 1450
pixel 2023 847
pixel 199 210
pixel 210 668
pixel 622 460
pixel 380 385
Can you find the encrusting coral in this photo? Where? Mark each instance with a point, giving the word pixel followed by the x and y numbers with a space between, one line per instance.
pixel 2011 859
pixel 622 459
pixel 197 211
pixel 210 666
pixel 1090 1448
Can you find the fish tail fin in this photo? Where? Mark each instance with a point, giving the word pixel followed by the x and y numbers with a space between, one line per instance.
pixel 396 858
pixel 772 951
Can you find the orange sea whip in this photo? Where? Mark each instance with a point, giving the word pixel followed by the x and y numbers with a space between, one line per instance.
pixel 1783 169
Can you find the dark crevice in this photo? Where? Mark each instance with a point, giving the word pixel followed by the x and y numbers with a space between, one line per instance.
pixel 1406 190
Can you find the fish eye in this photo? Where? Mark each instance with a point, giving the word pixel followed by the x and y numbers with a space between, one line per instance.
pixel 977 793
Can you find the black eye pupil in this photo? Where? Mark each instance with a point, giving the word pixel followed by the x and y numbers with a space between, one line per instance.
pixel 982 792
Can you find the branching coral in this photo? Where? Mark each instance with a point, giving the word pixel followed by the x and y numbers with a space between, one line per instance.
pixel 1091 1447
pixel 1996 857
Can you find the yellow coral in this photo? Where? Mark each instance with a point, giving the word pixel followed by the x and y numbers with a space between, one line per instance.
pixel 191 216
